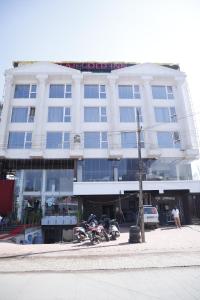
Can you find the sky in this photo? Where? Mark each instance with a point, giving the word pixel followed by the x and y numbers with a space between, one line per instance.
pixel 103 30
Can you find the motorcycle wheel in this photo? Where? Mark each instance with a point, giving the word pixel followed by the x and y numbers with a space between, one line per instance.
pixel 113 236
pixel 106 237
pixel 95 240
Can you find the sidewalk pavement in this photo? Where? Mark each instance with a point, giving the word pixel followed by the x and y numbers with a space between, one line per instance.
pixel 164 247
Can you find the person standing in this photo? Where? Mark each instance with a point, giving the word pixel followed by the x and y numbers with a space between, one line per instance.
pixel 176 216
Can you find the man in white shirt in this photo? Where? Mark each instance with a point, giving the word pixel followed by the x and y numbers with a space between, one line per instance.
pixel 176 215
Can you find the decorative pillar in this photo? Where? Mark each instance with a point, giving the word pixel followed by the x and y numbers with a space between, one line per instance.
pixel 186 132
pixel 149 120
pixel 76 112
pixel 38 135
pixel 6 112
pixel 114 132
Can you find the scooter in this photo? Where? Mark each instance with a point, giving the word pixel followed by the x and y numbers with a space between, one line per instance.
pixel 80 232
pixel 114 230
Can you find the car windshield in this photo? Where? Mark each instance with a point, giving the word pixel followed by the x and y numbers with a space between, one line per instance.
pixel 150 210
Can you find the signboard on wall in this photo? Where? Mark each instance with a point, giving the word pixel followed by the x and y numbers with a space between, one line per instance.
pixel 6 196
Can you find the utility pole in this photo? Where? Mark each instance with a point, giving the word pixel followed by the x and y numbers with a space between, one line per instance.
pixel 141 207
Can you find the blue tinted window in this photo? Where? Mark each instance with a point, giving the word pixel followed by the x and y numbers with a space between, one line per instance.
pixel 125 91
pixel 91 91
pixel 56 91
pixel 165 139
pixel 127 114
pixel 159 92
pixel 19 114
pixel 162 114
pixel 66 142
pixel 16 140
pixel 91 114
pixel 92 139
pixel 22 91
pixel 55 114
pixel 128 140
pixel 54 140
pixel 97 169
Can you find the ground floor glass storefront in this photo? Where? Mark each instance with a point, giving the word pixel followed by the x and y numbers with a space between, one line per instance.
pixel 127 169
pixel 44 193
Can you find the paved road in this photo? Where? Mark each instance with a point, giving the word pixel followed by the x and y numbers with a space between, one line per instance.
pixel 149 284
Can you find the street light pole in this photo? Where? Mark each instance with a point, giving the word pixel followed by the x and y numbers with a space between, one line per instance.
pixel 141 208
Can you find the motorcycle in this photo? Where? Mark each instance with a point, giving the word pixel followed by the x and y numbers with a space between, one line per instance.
pixel 112 228
pixel 98 234
pixel 80 232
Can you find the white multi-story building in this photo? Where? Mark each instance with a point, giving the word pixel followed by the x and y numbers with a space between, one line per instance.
pixel 68 132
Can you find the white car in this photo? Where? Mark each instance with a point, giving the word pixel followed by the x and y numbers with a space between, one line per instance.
pixel 151 216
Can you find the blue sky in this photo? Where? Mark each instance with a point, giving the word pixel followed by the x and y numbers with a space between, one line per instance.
pixel 103 30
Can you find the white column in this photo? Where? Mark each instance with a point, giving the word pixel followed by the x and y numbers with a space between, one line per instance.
pixel 148 116
pixel 184 115
pixel 38 136
pixel 77 136
pixel 6 112
pixel 114 130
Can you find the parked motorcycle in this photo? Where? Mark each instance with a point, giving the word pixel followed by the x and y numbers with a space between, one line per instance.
pixel 114 230
pixel 80 232
pixel 112 227
pixel 98 234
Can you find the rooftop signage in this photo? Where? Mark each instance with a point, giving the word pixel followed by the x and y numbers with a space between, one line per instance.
pixel 98 67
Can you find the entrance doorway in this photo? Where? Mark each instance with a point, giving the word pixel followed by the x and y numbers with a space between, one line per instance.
pixel 108 210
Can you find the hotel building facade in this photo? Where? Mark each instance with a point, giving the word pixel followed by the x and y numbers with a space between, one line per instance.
pixel 68 136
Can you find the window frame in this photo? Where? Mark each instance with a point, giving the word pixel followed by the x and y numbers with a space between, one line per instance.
pixel 27 140
pixel 64 140
pixel 65 115
pixel 29 114
pixel 100 92
pixel 176 143
pixel 171 114
pixel 31 92
pixel 66 93
pixel 134 108
pixel 168 90
pixel 136 140
pixel 102 140
pixel 135 91
pixel 102 115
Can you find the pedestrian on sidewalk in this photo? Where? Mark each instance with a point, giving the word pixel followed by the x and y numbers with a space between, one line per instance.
pixel 176 216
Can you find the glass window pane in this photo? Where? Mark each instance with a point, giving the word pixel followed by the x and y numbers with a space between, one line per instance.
pixel 22 91
pixel 59 180
pixel 159 92
pixel 162 114
pixel 28 136
pixel 91 114
pixel 54 140
pixel 33 88
pixel 165 139
pixel 125 91
pixel 66 143
pixel 68 91
pixel 92 139
pixel 91 91
pixel 55 114
pixel 127 114
pixel 19 114
pixel 32 180
pixel 16 140
pixel 56 91
pixel 128 140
